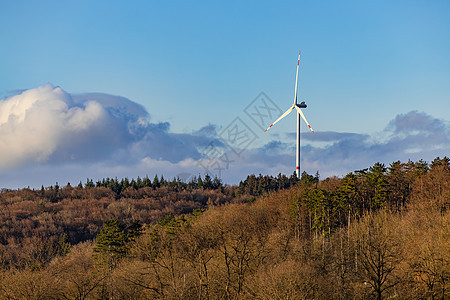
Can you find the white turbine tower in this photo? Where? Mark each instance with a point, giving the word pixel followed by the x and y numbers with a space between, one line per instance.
pixel 299 113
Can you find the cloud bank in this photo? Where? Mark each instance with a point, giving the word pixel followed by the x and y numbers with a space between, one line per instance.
pixel 411 136
pixel 49 135
pixel 48 125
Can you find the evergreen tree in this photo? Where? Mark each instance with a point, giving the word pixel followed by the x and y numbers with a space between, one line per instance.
pixel 440 162
pixel 124 184
pixel 379 187
pixel 146 182
pixel 134 184
pixel 89 183
pixel 317 178
pixel 162 181
pixel 156 183
pixel 217 183
pixel 139 183
pixel 399 180
pixel 347 197
pixel 199 182
pixel 115 186
pixel 207 182
pixel 134 230
pixel 306 179
pixel 294 179
pixel 421 167
pixel 111 242
pixel 192 183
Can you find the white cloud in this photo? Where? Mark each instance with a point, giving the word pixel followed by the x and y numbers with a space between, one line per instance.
pixel 38 122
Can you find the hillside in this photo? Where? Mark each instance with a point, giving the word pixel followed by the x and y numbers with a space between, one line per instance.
pixel 376 233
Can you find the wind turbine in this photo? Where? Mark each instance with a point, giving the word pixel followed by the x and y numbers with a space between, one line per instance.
pixel 298 108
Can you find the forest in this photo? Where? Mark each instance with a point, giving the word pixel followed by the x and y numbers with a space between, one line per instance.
pixel 377 233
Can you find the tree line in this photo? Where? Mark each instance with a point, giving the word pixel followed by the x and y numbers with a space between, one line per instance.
pixel 119 186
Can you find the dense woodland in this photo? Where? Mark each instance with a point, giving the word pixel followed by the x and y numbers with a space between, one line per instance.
pixel 378 233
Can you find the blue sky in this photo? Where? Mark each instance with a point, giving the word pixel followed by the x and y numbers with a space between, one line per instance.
pixel 369 70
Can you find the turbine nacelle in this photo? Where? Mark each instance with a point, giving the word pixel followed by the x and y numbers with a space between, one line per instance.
pixel 302 105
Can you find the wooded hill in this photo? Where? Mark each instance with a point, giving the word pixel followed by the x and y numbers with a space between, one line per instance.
pixel 377 233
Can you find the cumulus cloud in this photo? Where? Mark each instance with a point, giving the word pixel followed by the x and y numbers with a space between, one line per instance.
pixel 48 125
pixel 49 135
pixel 38 122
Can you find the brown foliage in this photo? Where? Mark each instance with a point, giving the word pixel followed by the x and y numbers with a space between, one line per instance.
pixel 31 222
pixel 267 248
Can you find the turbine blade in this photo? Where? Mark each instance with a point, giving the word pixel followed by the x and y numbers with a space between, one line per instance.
pixel 296 78
pixel 303 117
pixel 281 117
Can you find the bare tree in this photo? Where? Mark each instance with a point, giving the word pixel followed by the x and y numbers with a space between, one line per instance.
pixel 379 252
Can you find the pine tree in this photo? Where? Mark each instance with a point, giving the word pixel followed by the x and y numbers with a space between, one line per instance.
pixel 162 181
pixel 146 182
pixel 217 183
pixel 347 197
pixel 139 183
pixel 124 184
pixel 111 242
pixel 199 182
pixel 377 181
pixel 115 186
pixel 155 182
pixel 89 183
pixel 207 182
pixel 134 230
pixel 306 179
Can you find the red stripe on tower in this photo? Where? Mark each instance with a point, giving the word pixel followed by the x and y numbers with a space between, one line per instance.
pixel 298 168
